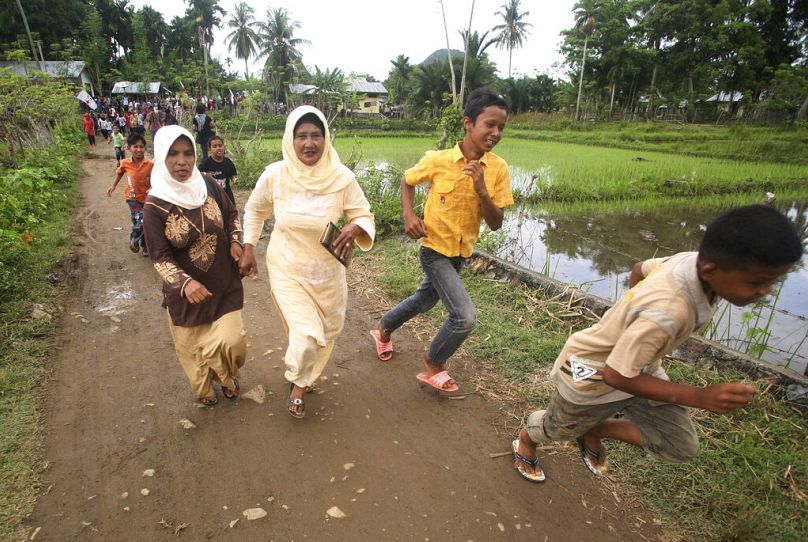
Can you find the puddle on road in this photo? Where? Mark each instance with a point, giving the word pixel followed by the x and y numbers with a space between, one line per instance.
pixel 117 299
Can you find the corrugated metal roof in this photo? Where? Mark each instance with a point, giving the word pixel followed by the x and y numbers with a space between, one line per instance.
pixel 359 84
pixel 54 68
pixel 130 87
pixel 299 88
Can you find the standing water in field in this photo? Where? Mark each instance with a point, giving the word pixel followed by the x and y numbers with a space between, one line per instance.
pixel 594 246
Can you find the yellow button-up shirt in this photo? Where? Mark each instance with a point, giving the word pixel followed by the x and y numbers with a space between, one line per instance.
pixel 453 212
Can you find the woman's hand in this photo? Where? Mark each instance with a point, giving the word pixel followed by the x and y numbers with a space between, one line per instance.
pixel 246 262
pixel 195 292
pixel 343 244
pixel 110 190
pixel 235 251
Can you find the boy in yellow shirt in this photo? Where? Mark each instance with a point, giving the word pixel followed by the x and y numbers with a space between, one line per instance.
pixel 614 367
pixel 469 184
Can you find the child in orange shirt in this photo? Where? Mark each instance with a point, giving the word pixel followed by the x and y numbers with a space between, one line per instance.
pixel 138 169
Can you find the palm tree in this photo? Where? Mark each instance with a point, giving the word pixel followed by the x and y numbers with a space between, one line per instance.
pixel 513 30
pixel 399 77
pixel 280 48
pixel 204 12
pixel 243 38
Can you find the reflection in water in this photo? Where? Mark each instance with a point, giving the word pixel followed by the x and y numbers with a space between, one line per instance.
pixel 594 246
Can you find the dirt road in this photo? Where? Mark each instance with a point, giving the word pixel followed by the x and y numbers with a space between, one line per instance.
pixel 402 462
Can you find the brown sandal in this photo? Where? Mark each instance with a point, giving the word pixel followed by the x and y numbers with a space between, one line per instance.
pixel 232 393
pixel 296 402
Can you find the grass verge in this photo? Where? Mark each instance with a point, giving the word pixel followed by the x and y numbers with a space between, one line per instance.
pixel 746 483
pixel 24 346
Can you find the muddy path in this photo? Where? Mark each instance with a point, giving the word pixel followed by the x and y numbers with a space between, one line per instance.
pixel 402 462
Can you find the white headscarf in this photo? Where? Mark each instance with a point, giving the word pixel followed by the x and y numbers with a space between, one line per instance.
pixel 190 194
pixel 328 174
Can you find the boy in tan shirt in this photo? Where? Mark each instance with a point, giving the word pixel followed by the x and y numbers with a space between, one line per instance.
pixel 615 365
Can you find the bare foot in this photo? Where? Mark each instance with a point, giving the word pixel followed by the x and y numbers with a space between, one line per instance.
pixel 432 369
pixel 384 335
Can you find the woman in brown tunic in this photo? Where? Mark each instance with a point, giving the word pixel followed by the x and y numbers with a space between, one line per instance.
pixel 195 242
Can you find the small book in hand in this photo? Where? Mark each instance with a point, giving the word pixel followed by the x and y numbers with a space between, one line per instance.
pixel 331 232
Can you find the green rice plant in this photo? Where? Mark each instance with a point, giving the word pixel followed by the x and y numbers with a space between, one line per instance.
pixel 574 173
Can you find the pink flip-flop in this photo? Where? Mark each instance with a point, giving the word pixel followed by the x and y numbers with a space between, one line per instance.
pixel 437 381
pixel 384 350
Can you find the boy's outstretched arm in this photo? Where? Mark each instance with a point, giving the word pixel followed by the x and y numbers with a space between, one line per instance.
pixel 719 398
pixel 414 227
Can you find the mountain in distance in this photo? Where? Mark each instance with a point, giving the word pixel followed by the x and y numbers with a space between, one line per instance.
pixel 440 55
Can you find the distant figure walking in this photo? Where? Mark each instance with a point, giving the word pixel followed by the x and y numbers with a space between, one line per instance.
pixel 203 126
pixel 89 129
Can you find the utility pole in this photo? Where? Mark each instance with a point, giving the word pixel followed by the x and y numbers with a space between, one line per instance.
pixel 30 39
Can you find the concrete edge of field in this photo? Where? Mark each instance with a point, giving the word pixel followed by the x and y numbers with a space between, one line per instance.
pixel 696 349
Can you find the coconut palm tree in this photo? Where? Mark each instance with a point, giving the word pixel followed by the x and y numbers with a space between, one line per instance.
pixel 279 45
pixel 206 15
pixel 243 38
pixel 513 30
pixel 398 80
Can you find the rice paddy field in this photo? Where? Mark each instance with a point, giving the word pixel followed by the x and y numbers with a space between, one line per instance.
pixel 580 173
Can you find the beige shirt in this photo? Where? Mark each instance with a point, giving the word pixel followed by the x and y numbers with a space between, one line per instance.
pixel 649 322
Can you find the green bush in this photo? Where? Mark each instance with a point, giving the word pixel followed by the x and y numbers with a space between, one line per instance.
pixel 381 189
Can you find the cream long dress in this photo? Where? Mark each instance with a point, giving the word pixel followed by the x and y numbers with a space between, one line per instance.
pixel 308 283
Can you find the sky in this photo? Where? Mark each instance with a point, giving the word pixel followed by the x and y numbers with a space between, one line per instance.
pixel 363 37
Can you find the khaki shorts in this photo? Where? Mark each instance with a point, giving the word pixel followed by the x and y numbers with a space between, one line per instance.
pixel 666 430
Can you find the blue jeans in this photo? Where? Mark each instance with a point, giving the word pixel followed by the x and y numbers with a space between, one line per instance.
pixel 442 282
pixel 136 238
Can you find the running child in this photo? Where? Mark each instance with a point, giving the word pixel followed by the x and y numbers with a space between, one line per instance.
pixel 468 184
pixel 138 170
pixel 219 166
pixel 614 367
pixel 117 142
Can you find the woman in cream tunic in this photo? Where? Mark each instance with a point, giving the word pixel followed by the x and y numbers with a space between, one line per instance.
pixel 304 191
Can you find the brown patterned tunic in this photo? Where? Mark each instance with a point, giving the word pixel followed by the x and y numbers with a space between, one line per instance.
pixel 187 244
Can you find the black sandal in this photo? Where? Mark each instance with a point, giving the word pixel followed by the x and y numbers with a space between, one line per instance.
pixel 536 477
pixel 208 402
